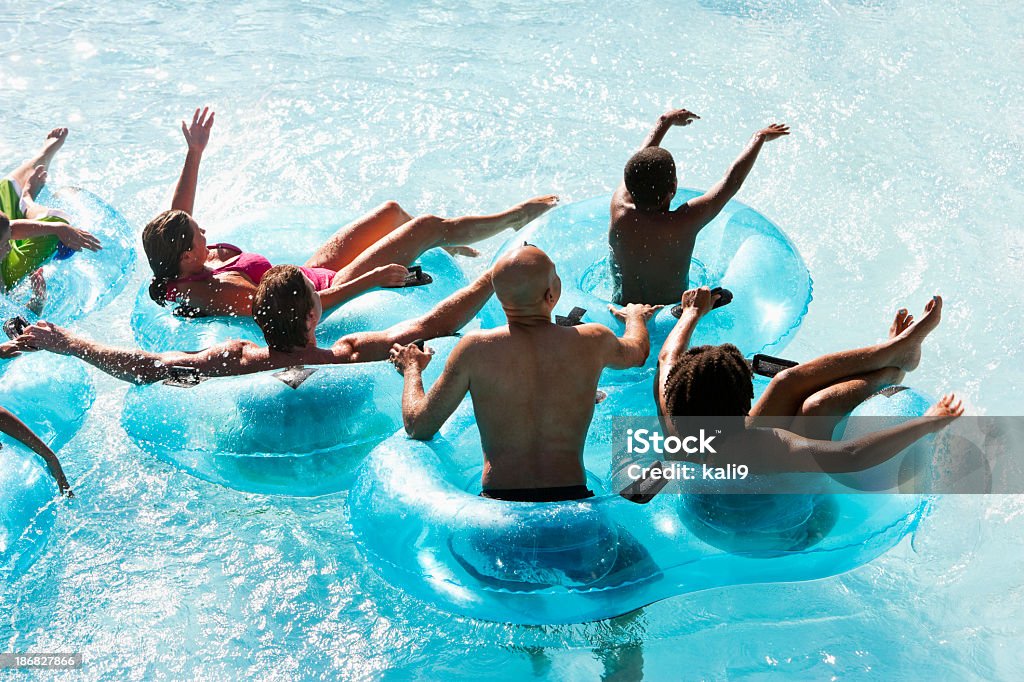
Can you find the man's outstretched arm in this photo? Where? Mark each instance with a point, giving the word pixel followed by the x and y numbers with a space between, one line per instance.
pixel 134 365
pixel 196 136
pixel 424 414
pixel 633 347
pixel 676 117
pixel 17 429
pixel 705 208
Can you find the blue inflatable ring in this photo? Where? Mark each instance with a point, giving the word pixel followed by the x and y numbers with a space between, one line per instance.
pixel 84 282
pixel 27 507
pixel 419 523
pixel 291 236
pixel 50 393
pixel 739 250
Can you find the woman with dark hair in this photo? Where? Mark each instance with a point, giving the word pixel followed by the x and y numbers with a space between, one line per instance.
pixel 373 251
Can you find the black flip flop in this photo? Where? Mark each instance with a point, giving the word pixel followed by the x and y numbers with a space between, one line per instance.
pixel 724 298
pixel 574 317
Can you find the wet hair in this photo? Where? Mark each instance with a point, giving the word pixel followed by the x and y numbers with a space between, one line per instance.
pixel 5 226
pixel 281 307
pixel 166 239
pixel 650 177
pixel 710 381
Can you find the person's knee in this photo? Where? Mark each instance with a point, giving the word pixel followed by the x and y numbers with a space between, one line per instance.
pixel 815 406
pixel 393 209
pixel 789 377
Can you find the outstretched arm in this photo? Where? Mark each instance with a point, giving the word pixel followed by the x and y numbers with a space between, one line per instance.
pixel 423 413
pixel 196 135
pixel 676 117
pixel 72 237
pixel 133 365
pixel 17 429
pixel 696 304
pixel 858 454
pixel 706 207
pixel 632 349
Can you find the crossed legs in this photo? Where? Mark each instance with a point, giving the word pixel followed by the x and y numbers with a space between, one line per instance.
pixel 816 394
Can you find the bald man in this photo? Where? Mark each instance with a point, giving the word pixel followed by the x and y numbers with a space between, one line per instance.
pixel 532 383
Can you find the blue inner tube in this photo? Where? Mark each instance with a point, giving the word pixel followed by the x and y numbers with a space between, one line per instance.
pixel 739 250
pixel 258 434
pixel 419 523
pixel 50 393
pixel 79 284
pixel 27 507
pixel 291 236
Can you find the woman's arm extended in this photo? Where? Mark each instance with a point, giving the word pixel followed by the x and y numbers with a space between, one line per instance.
pixel 196 135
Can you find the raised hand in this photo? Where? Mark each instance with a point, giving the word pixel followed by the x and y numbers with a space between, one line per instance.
pixel 404 357
pixel 198 134
pixel 76 239
pixel 642 310
pixel 679 117
pixel 773 132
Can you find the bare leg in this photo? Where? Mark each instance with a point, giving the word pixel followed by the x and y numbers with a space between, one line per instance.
pixel 447 317
pixel 359 235
pixel 54 141
pixel 822 411
pixel 787 391
pixel 409 241
pixel 30 189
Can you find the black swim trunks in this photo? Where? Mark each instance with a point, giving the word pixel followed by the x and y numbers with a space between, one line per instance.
pixel 557 494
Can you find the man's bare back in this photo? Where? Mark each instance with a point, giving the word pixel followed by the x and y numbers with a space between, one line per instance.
pixel 651 244
pixel 650 252
pixel 532 382
pixel 533 395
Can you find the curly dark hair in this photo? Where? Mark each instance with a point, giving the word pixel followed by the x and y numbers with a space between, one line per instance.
pixel 710 381
pixel 281 307
pixel 650 177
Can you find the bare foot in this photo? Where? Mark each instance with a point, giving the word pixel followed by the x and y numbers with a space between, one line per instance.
pixel 54 141
pixel 913 336
pixel 530 210
pixel 903 320
pixel 467 251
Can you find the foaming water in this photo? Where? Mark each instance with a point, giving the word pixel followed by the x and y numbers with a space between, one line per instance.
pixel 900 180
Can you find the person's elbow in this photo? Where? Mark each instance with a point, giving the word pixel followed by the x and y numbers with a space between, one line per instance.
pixel 417 428
pixel 637 354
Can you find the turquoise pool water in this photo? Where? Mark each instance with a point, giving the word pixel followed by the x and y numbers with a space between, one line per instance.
pixel 900 179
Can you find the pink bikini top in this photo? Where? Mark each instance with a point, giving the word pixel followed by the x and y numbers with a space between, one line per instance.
pixel 253 266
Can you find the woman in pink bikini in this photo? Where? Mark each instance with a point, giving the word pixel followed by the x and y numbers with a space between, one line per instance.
pixel 373 251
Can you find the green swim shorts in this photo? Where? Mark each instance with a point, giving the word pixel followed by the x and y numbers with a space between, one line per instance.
pixel 26 254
